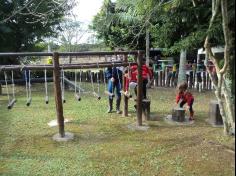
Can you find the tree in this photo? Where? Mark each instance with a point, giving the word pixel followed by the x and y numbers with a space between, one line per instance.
pixel 117 28
pixel 24 24
pixel 221 10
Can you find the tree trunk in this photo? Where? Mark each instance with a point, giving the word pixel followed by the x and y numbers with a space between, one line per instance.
pixel 182 66
pixel 147 47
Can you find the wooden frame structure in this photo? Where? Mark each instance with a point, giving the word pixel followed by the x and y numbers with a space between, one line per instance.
pixel 56 67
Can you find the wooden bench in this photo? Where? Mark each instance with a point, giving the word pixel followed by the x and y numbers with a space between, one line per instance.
pixel 146 109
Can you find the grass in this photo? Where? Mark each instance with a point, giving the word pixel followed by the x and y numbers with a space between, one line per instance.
pixel 103 144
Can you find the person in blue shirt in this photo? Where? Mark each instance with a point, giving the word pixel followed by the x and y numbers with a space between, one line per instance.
pixel 114 77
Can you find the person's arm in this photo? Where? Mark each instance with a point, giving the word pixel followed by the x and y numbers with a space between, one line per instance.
pixel 177 98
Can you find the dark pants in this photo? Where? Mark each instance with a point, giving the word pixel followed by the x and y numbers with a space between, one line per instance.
pixel 190 106
pixel 145 81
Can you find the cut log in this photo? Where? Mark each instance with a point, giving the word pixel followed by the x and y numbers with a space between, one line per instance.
pixel 178 114
pixel 146 109
pixel 214 113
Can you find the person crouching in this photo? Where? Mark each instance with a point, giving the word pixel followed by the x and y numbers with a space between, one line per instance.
pixel 184 96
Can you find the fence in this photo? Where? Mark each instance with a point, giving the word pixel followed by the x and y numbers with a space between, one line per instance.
pixel 196 80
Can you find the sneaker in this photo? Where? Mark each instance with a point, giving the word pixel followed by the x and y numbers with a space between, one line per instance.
pixel 191 119
pixel 118 111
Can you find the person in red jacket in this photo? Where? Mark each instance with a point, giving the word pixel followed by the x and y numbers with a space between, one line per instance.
pixel 146 76
pixel 184 96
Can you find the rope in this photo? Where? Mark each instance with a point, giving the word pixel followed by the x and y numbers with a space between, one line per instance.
pixel 113 87
pixel 8 96
pixel 91 76
pixel 75 82
pixel 104 77
pixel 29 84
pixel 13 85
pixel 46 87
pixel 80 80
pixel 129 75
pixel 98 81
pixel 26 85
pixel 62 85
pixel 118 78
pixel 46 83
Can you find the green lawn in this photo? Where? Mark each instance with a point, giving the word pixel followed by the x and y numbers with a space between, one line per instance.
pixel 103 144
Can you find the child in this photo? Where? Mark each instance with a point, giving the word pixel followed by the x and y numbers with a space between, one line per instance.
pixel 146 76
pixel 130 78
pixel 183 97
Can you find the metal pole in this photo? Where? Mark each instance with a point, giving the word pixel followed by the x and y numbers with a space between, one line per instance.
pixel 140 90
pixel 58 97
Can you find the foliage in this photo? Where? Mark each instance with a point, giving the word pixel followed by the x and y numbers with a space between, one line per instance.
pixel 117 28
pixel 85 47
pixel 24 24
pixel 121 18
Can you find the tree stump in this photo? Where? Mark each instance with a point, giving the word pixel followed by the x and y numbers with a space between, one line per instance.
pixel 214 113
pixel 146 109
pixel 178 114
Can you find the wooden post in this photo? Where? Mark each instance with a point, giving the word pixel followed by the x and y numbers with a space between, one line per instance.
pixel 58 94
pixel 194 79
pixel 164 77
pixel 214 113
pixel 204 80
pixel 207 81
pixel 156 79
pixel 140 90
pixel 161 78
pixel 126 99
pixel 191 83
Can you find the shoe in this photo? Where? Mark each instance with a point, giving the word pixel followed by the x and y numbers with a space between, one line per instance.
pixel 191 116
pixel 118 111
pixel 110 106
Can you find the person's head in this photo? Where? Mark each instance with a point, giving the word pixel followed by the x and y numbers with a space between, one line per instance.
pixel 182 87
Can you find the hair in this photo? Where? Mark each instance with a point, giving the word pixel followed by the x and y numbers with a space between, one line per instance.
pixel 182 87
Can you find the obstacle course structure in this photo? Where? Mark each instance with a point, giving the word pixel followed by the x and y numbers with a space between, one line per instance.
pixel 57 67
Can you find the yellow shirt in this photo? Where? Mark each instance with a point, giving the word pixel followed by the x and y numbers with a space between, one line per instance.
pixel 174 68
pixel 49 61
